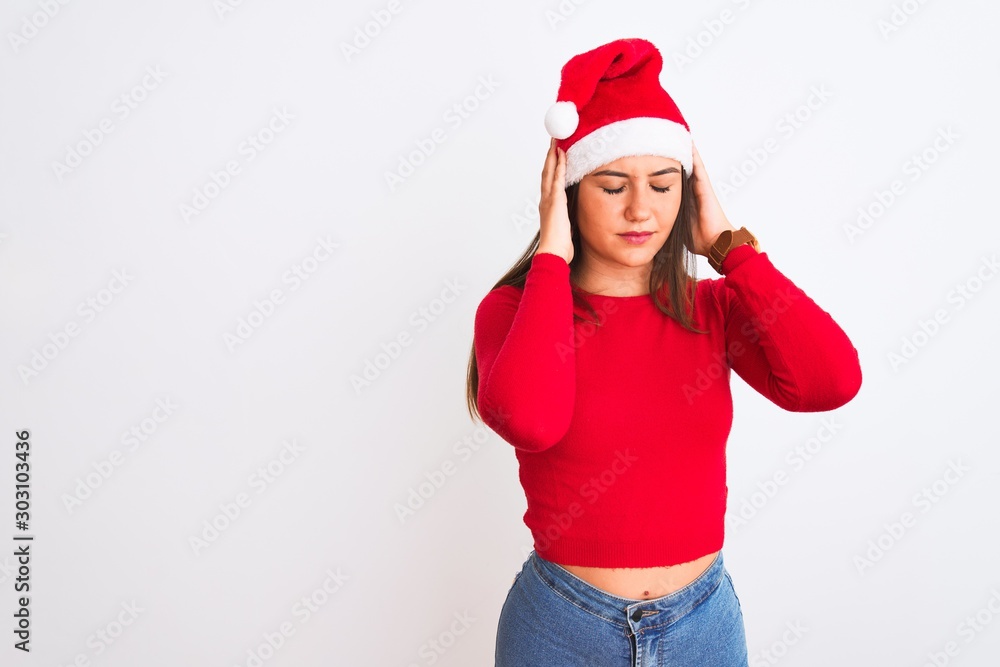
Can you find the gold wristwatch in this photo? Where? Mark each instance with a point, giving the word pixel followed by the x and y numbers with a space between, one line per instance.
pixel 727 241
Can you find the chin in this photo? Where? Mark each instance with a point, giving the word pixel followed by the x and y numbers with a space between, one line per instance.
pixel 637 257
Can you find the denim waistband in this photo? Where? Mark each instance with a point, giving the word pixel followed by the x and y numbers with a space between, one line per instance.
pixel 622 612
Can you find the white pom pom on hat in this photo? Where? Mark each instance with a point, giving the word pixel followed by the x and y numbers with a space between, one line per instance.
pixel 561 120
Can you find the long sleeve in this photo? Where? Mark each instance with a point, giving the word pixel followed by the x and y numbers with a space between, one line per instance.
pixel 526 358
pixel 780 342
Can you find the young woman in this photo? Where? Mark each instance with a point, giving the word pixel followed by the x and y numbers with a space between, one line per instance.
pixel 606 365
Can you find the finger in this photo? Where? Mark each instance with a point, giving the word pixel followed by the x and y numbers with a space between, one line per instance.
pixel 557 174
pixel 697 170
pixel 560 181
pixel 558 178
pixel 550 165
pixel 699 165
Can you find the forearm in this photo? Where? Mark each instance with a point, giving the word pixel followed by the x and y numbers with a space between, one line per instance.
pixel 797 355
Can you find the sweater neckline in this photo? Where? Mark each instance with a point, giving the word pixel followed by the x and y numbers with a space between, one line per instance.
pixel 609 297
pixel 587 294
pixel 632 298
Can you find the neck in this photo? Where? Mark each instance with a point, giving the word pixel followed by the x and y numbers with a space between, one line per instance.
pixel 599 277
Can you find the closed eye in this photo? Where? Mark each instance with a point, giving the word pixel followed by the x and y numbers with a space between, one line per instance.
pixel 622 189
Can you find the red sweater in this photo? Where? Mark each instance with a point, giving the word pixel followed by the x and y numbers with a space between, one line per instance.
pixel 620 430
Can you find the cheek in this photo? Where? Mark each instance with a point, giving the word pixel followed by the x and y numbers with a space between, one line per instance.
pixel 669 209
pixel 593 219
pixel 597 203
pixel 591 210
pixel 608 208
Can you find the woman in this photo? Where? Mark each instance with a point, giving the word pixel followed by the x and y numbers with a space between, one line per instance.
pixel 618 403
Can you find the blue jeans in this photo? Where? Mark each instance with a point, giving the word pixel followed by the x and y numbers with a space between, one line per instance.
pixel 553 618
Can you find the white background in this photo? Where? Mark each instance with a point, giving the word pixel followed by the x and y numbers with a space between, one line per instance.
pixel 457 223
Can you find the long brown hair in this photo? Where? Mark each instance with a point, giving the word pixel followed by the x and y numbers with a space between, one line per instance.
pixel 673 265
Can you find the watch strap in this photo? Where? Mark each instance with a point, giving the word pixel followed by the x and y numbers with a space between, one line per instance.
pixel 728 240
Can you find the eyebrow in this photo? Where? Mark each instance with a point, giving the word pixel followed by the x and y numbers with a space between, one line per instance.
pixel 608 172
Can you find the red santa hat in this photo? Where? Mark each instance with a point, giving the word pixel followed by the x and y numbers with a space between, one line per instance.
pixel 610 105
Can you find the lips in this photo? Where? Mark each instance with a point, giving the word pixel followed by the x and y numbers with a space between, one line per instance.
pixel 636 238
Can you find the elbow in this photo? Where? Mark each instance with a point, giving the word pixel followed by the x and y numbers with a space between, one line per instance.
pixel 834 389
pixel 536 440
pixel 850 383
pixel 525 429
pixel 843 381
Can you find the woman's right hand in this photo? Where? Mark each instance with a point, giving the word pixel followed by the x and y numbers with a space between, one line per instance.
pixel 553 211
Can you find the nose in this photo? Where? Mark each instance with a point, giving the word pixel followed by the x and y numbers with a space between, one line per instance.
pixel 637 209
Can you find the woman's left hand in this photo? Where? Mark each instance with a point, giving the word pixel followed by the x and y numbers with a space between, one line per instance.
pixel 711 220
